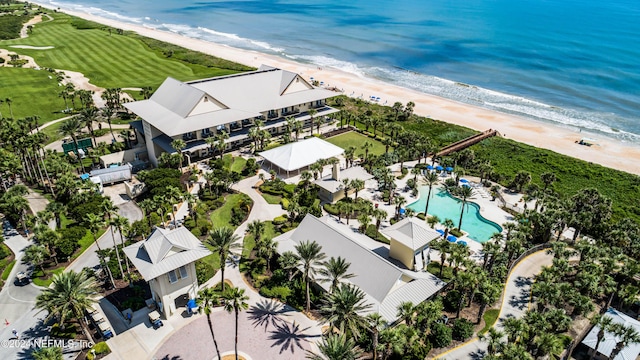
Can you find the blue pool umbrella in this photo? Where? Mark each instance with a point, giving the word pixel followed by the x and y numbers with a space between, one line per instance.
pixel 84 176
pixel 466 185
pixel 441 232
pixel 452 238
pixel 449 169
pixel 439 168
pixel 464 180
pixel 462 242
pixel 191 304
pixel 429 167
pixel 402 211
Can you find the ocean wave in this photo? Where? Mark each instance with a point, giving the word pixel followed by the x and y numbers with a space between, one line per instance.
pixel 96 11
pixel 329 62
pixel 235 37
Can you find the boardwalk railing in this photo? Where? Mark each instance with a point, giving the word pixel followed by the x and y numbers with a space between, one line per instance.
pixel 465 143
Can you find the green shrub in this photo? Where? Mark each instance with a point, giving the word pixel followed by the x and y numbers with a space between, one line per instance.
pixel 196 232
pixel 100 349
pixel 331 209
pixel 456 232
pixel 440 335
pixel 204 271
pixel 69 331
pixel 278 292
pixel 134 303
pixel 421 216
pixel 462 329
pixel 451 300
pixel 280 220
pixel 284 202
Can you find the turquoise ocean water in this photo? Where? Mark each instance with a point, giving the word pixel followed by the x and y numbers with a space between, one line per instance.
pixel 572 62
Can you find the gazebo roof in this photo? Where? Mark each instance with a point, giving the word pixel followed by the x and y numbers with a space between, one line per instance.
pixel 299 154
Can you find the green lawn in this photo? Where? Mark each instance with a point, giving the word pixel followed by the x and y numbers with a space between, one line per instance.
pixel 272 199
pixel 108 60
pixel 7 270
pixel 86 241
pixel 31 92
pixel 434 268
pixel 50 272
pixel 53 132
pixel 249 242
pixel 222 215
pixel 353 138
pixel 490 317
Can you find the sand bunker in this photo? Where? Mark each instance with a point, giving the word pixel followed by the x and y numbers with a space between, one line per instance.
pixel 32 47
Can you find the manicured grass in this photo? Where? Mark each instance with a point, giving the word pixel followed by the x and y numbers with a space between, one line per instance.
pixel 7 270
pixel 490 317
pixel 53 132
pixel 272 199
pixel 238 164
pixel 222 215
pixel 434 268
pixel 353 138
pixel 213 259
pixel 49 272
pixel 31 93
pixel 86 241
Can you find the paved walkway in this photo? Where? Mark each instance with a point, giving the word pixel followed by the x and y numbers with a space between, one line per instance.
pixel 515 302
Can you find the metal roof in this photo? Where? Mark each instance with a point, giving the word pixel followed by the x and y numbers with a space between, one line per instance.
pixel 332 185
pixel 608 343
pixel 237 97
pixel 411 232
pixel 301 153
pixel 165 250
pixel 385 284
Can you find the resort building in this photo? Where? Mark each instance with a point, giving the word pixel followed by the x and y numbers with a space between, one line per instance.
pixel 410 240
pixel 196 110
pixel 300 154
pixel 384 281
pixel 166 260
pixel 610 340
pixel 331 187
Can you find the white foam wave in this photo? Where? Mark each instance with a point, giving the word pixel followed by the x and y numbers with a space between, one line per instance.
pixel 240 40
pixel 329 62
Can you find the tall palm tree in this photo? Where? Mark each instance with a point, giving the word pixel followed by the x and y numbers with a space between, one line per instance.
pixel 376 323
pixel 494 340
pixel 88 116
pixel 111 210
pixel 235 301
pixel 207 299
pixel 267 249
pixel 312 113
pixel 357 185
pixel 431 178
pixel 69 295
pixel 95 223
pixel 604 324
pixel 366 147
pixel 71 127
pixel 406 311
pixel 121 223
pixel 337 347
pixel 224 243
pixel 335 270
pixel 174 195
pixel 465 193
pixel 178 145
pixel 626 335
pixel 343 308
pixel 256 228
pixel 310 258
pixel 548 345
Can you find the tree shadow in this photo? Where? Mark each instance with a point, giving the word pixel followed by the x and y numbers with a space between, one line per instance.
pixel 478 355
pixel 522 300
pixel 39 330
pixel 522 281
pixel 289 336
pixel 266 312
pixel 168 357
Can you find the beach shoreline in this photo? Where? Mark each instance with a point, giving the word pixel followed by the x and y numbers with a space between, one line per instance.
pixel 608 152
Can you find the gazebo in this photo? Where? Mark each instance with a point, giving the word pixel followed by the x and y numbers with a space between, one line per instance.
pixel 297 155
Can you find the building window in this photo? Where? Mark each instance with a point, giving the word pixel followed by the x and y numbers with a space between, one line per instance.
pixel 183 272
pixel 175 275
pixel 172 276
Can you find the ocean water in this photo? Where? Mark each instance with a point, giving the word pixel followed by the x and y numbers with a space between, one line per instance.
pixel 572 62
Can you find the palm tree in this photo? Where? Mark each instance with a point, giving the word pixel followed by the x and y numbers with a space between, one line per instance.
pixel 312 113
pixel 548 345
pixel 465 193
pixel 431 178
pixel 626 335
pixel 48 353
pixel 36 255
pixel 366 146
pixel 107 112
pixel 224 243
pixel 211 141
pixel 121 223
pixel 376 323
pixel 8 101
pixel 310 258
pixel 342 309
pixel 399 201
pixel 256 228
pixel 267 249
pixel 357 185
pixel 95 223
pixel 207 299
pixel 173 195
pixel 494 340
pixel 406 311
pixel 69 295
pixel 235 301
pixel 70 127
pixel 514 328
pixel 288 261
pixel 335 270
pixel 178 145
pixel 88 116
pixel 110 209
pixel 604 325
pixel 336 347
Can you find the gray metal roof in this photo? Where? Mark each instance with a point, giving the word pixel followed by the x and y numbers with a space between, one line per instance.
pixel 384 283
pixel 332 185
pixel 239 97
pixel 411 232
pixel 301 153
pixel 608 343
pixel 165 250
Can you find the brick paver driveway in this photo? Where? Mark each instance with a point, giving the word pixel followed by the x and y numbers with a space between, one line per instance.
pixel 264 332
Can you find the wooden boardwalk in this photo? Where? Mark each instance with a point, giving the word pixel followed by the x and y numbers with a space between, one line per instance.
pixel 465 143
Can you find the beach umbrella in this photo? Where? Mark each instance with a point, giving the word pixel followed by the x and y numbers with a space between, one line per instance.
pixel 452 238
pixel 462 242
pixel 449 169
pixel 439 168
pixel 439 231
pixel 466 185
pixel 429 167
pixel 464 181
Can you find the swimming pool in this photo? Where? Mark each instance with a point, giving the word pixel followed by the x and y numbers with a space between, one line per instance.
pixel 445 206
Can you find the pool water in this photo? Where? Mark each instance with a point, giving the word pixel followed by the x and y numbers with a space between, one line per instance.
pixel 445 206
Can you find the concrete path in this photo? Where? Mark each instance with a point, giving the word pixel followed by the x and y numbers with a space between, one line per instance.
pixel 89 258
pixel 515 302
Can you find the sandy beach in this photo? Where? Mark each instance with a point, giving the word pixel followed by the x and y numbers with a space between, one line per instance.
pixel 607 152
